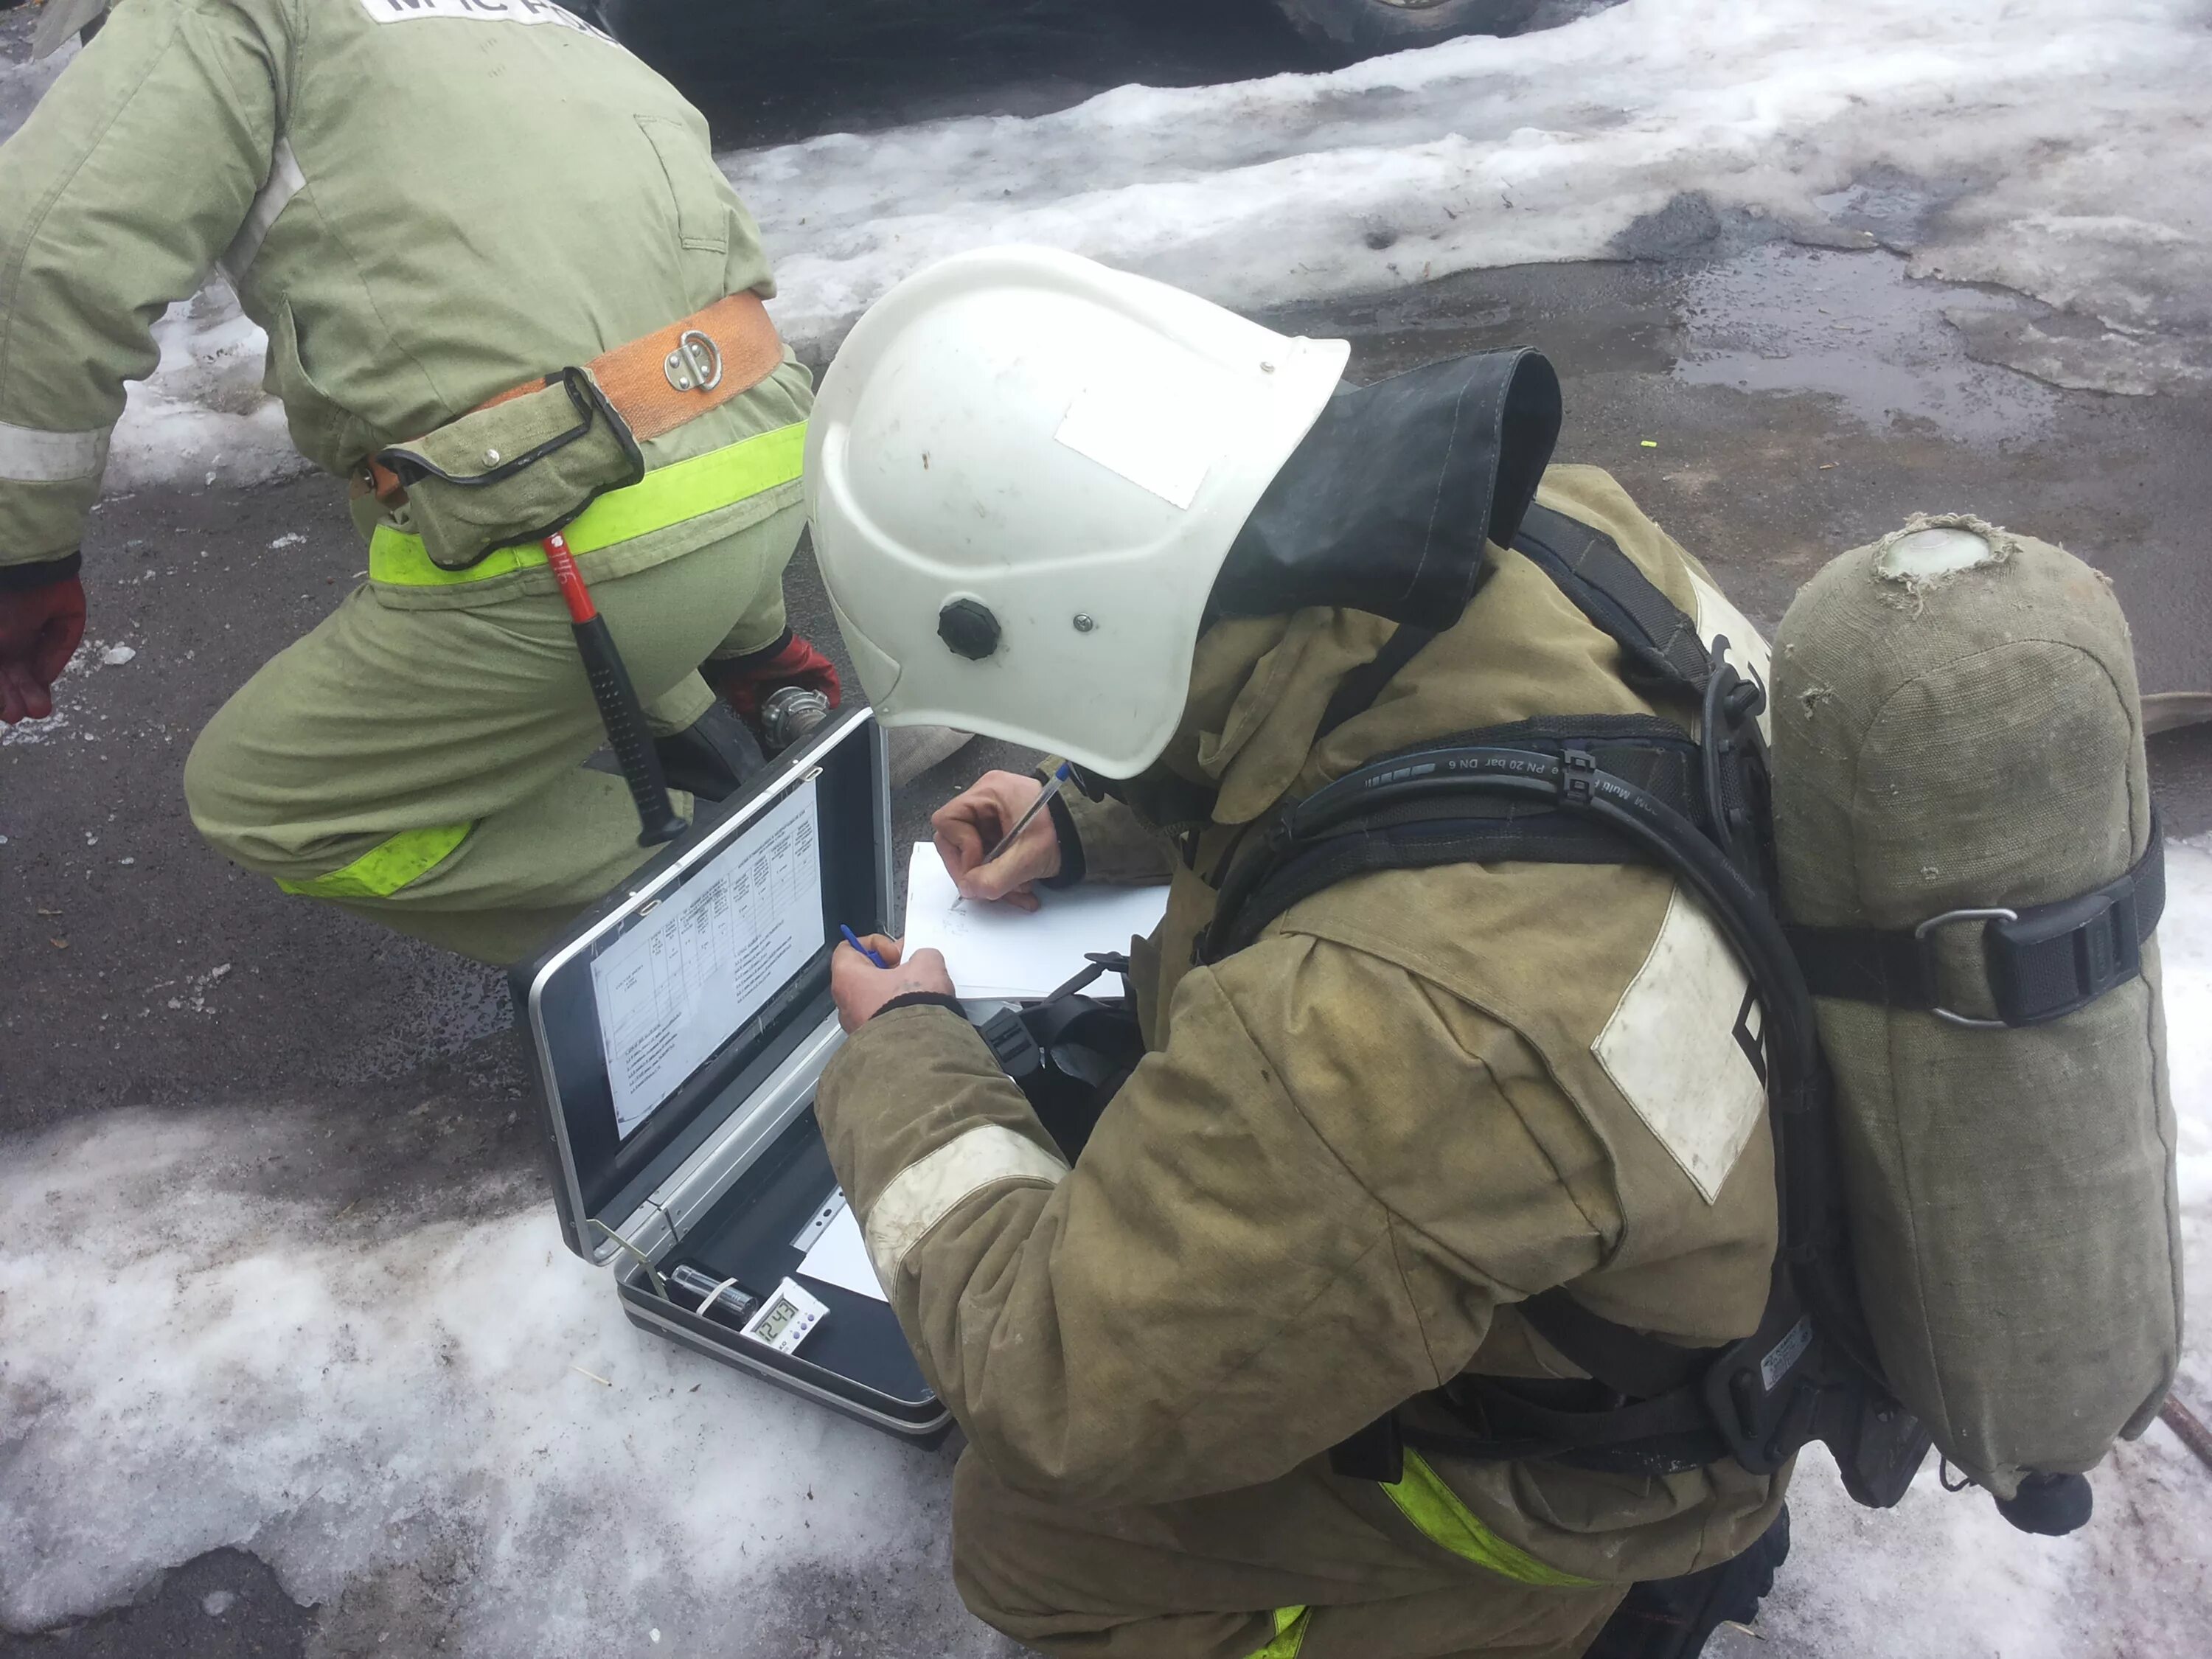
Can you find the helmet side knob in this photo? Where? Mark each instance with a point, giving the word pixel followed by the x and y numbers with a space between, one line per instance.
pixel 968 629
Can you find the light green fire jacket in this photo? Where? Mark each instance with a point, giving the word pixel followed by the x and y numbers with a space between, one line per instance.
pixel 423 201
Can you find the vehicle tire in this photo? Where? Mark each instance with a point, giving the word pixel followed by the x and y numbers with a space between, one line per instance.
pixel 1347 29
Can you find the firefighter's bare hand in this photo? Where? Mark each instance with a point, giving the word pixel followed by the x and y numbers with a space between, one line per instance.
pixel 970 825
pixel 861 988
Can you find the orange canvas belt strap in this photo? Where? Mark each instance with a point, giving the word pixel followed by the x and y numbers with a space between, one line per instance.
pixel 661 380
pixel 674 375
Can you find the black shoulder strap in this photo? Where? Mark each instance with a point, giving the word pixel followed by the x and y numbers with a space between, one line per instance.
pixel 1661 640
pixel 1357 691
pixel 1627 1361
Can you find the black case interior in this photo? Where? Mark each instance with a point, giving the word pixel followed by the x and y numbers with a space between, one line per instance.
pixel 857 1361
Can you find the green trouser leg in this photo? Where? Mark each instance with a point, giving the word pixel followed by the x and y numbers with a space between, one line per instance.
pixel 1309 1566
pixel 423 766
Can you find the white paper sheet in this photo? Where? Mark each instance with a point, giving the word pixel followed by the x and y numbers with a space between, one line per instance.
pixel 673 988
pixel 839 1257
pixel 997 950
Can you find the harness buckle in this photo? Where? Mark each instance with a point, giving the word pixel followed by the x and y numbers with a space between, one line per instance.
pixel 696 365
pixel 1924 947
pixel 2054 958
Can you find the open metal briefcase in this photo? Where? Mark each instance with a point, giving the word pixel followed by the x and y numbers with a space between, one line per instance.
pixel 677 1032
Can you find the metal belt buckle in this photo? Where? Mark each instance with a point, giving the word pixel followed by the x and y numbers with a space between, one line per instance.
pixel 1928 964
pixel 696 365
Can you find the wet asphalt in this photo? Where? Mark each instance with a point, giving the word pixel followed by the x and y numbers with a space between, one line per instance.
pixel 1771 403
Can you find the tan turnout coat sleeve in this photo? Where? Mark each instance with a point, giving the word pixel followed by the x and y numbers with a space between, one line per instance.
pixel 1237 1276
pixel 134 173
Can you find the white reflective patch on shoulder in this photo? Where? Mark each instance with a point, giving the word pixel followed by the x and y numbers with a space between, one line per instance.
pixel 30 456
pixel 926 1192
pixel 481 11
pixel 1163 447
pixel 285 181
pixel 1748 653
pixel 1683 1046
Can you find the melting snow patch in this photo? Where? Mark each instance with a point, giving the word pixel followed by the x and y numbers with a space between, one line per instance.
pixel 189 1359
pixel 1555 145
pixel 116 655
pixel 2059 149
pixel 187 1362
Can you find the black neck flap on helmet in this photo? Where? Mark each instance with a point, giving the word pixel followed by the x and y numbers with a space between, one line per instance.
pixel 1387 505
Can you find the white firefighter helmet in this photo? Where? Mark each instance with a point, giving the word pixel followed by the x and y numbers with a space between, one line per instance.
pixel 1024 471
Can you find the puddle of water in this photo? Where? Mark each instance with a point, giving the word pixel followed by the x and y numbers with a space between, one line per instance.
pixel 1856 327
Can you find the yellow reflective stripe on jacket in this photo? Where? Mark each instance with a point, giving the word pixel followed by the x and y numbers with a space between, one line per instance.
pixel 666 495
pixel 1289 1634
pixel 1435 1508
pixel 386 867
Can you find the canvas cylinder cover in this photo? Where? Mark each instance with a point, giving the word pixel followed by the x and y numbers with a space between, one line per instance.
pixel 1957 726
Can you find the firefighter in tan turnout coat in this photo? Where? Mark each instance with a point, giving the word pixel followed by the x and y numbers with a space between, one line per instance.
pixel 1419 1097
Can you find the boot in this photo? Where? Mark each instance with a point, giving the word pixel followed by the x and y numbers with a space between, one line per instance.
pixel 713 757
pixel 1671 1618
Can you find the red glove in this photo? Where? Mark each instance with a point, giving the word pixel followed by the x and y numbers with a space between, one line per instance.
pixel 744 681
pixel 39 628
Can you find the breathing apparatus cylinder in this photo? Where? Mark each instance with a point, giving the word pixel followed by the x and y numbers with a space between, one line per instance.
pixel 1965 835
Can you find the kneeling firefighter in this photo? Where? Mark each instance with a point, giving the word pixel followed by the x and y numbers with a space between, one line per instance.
pixel 509 294
pixel 1461 1263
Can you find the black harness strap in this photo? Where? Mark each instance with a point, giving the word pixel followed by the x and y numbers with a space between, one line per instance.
pixel 1608 587
pixel 2044 960
pixel 1626 1361
pixel 1290 861
pixel 1357 691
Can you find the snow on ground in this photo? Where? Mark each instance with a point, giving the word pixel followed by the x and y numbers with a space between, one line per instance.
pixel 188 1361
pixel 2057 148
pixel 2037 120
pixel 183 1365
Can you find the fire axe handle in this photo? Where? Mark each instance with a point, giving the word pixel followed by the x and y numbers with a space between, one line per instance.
pixel 619 709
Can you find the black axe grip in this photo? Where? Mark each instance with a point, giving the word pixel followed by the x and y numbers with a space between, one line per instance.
pixel 624 719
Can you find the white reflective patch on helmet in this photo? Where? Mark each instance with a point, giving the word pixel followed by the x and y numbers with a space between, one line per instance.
pixel 1155 445
pixel 1683 1046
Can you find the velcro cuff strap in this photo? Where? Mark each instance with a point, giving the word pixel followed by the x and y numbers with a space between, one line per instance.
pixel 2045 961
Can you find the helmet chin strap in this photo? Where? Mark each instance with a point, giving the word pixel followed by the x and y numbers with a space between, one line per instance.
pixel 1390 503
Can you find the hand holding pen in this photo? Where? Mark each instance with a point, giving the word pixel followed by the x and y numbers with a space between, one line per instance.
pixel 996 838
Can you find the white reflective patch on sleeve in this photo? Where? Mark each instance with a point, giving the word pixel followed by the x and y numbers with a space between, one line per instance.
pixel 924 1193
pixel 30 456
pixel 1684 1047
pixel 481 11
pixel 285 181
pixel 1748 653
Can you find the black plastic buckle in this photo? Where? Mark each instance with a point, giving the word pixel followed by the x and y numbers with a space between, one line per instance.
pixel 1012 1044
pixel 2054 958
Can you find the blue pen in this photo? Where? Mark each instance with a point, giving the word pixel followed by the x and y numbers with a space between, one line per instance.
pixel 854 939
